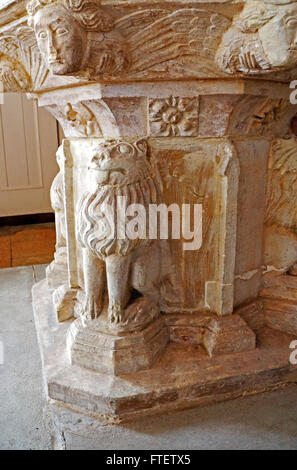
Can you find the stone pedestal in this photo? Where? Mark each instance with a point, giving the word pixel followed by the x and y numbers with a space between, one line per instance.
pixel 184 376
pixel 97 348
pixel 172 108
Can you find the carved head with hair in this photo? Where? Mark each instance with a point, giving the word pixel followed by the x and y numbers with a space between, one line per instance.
pixel 75 35
pixel 262 38
pixel 118 171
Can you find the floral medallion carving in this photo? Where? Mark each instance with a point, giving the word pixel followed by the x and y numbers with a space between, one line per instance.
pixel 173 117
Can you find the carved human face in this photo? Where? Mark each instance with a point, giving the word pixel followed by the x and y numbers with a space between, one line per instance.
pixel 60 38
pixel 279 37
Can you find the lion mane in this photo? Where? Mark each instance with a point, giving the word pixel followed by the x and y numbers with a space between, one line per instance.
pixel 97 209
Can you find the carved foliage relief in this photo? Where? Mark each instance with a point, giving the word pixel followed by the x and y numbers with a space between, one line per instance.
pixel 77 120
pixel 21 65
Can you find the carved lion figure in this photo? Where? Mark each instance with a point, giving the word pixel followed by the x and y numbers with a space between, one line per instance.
pixel 262 38
pixel 112 260
pixel 76 37
pixel 280 251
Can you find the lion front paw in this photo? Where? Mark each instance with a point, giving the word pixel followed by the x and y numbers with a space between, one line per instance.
pixel 92 308
pixel 115 313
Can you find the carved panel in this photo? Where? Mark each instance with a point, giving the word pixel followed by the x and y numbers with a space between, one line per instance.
pixel 281 215
pixel 95 41
pixel 198 173
pixel 77 120
pixel 194 173
pixel 223 115
pixel 109 118
pixel 257 115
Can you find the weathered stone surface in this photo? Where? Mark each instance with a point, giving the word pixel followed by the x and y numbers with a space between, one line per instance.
pixel 279 294
pixel 64 299
pixel 253 155
pixel 280 242
pixel 227 335
pixel 121 41
pixel 253 314
pixel 281 315
pixel 116 354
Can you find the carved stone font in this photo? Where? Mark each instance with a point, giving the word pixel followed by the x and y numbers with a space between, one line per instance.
pixel 176 115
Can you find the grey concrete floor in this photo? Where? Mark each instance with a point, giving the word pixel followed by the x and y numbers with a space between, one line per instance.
pixel 267 421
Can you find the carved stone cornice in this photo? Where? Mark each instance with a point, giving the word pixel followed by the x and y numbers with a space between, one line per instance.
pixel 119 42
pixel 172 109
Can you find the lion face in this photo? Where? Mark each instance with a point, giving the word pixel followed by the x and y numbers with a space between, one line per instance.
pixel 117 163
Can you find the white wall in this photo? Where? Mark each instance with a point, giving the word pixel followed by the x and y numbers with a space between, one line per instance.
pixel 28 144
